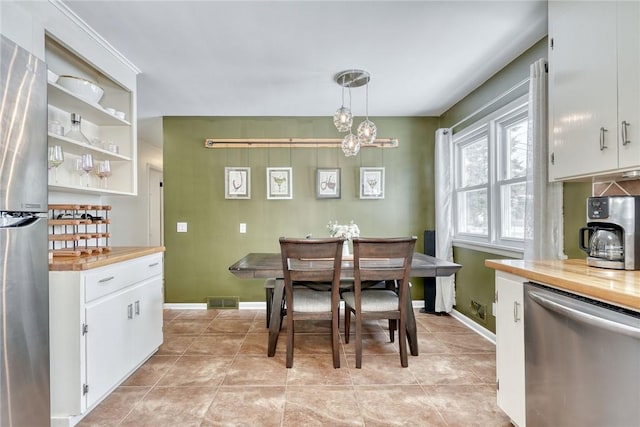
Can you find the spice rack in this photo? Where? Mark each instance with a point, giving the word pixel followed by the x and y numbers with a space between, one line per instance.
pixel 76 230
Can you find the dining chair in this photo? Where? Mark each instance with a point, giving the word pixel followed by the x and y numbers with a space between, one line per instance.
pixel 380 259
pixel 312 261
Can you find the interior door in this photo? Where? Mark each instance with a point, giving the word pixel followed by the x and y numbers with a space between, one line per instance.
pixel 155 208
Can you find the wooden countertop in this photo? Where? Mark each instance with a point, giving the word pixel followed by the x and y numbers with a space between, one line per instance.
pixel 617 287
pixel 86 262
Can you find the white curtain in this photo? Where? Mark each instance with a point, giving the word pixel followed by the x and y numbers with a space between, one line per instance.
pixel 445 286
pixel 543 201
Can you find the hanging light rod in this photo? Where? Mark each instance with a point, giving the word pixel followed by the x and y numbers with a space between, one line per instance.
pixel 291 142
pixel 352 78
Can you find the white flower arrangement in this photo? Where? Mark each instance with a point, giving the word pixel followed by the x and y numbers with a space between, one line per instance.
pixel 346 231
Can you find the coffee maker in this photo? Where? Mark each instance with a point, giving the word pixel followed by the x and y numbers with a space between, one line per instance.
pixel 612 232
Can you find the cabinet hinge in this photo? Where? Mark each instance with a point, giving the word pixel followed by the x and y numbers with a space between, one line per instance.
pixel 553 158
pixel 85 389
pixel 551 43
pixel 496 297
pixel 498 385
pixel 85 328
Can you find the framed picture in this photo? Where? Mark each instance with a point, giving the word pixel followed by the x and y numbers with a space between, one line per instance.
pixel 237 183
pixel 279 184
pixel 372 183
pixel 328 183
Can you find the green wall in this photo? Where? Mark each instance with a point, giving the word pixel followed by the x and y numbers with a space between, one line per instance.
pixel 196 262
pixel 575 216
pixel 475 281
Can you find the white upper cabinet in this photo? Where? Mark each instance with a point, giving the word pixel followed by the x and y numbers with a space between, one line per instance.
pixel 629 83
pixel 593 88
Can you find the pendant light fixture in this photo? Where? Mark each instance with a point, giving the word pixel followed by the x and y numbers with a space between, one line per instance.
pixel 367 130
pixel 350 145
pixel 343 118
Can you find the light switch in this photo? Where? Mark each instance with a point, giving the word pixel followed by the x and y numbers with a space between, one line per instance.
pixel 182 227
pixel 243 228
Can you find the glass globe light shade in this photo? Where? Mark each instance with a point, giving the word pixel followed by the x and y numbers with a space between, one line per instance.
pixel 350 145
pixel 367 131
pixel 343 119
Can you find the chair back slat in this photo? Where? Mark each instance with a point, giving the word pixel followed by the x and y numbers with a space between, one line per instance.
pixel 316 260
pixel 383 258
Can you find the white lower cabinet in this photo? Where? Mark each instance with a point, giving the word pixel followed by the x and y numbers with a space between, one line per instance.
pixel 104 323
pixel 510 346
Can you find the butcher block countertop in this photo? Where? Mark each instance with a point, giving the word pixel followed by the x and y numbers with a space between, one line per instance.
pixel 86 262
pixel 617 287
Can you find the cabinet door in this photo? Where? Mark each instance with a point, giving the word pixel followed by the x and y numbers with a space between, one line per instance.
pixel 510 346
pixel 582 88
pixel 109 320
pixel 629 83
pixel 147 301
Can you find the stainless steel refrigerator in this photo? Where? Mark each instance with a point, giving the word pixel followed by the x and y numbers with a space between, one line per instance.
pixel 24 277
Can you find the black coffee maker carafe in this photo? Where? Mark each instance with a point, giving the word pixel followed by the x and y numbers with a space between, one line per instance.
pixel 611 238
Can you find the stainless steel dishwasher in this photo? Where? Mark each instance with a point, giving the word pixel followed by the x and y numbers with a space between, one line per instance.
pixel 582 361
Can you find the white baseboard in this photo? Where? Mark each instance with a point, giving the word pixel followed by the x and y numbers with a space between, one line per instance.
pixel 483 332
pixel 186 306
pixel 252 305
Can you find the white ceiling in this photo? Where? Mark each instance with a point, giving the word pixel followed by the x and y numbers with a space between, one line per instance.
pixel 278 58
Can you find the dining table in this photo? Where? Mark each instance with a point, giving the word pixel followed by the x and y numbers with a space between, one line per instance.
pixel 261 265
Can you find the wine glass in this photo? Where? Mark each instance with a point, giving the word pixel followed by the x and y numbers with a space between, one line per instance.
pixel 56 158
pixel 78 169
pixel 87 165
pixel 104 171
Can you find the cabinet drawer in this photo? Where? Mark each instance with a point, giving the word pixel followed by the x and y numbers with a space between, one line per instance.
pixel 105 280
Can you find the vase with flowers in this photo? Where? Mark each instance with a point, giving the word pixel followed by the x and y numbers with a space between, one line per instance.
pixel 346 231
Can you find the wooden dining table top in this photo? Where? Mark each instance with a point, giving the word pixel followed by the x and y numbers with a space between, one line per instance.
pixel 257 265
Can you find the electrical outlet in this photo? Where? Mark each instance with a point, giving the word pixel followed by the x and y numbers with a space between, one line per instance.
pixel 181 227
pixel 478 310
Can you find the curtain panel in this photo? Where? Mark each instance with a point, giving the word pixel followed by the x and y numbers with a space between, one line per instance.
pixel 445 286
pixel 543 201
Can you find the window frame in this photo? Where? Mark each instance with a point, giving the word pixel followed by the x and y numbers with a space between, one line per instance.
pixel 493 126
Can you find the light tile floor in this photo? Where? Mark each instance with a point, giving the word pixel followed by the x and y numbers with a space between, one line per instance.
pixel 212 370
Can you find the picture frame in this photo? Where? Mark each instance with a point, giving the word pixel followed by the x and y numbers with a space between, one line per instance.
pixel 237 183
pixel 279 183
pixel 328 183
pixel 372 183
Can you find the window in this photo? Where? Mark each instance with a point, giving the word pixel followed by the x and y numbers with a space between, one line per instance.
pixel 490 178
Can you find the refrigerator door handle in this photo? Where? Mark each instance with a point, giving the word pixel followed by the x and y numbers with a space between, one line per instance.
pixel 14 222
